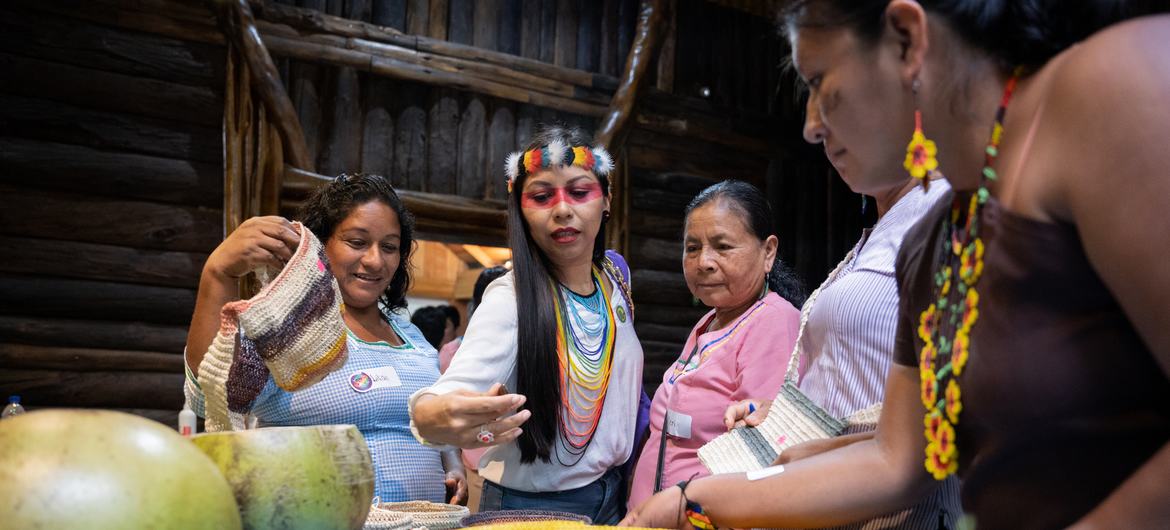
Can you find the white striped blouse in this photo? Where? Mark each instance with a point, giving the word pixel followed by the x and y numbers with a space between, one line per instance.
pixel 849 341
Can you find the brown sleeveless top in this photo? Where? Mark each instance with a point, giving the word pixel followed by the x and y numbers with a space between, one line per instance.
pixel 1062 400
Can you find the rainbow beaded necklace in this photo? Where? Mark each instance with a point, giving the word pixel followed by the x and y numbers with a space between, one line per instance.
pixel 945 325
pixel 585 357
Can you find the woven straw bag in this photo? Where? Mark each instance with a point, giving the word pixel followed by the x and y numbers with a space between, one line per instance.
pixel 433 515
pixel 793 418
pixel 549 525
pixel 504 517
pixel 380 519
pixel 292 330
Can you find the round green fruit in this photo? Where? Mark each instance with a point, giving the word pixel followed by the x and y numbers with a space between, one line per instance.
pixel 316 477
pixel 98 469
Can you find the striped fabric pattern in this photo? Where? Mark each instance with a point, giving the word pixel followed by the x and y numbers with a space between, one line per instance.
pixel 849 342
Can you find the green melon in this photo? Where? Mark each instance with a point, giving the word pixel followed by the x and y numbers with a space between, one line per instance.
pixel 98 469
pixel 316 477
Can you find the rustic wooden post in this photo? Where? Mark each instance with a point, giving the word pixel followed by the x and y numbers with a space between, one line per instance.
pixel 648 37
pixel 256 137
pixel 238 24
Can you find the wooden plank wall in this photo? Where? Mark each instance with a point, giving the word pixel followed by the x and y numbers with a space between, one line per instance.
pixel 442 140
pixel 111 173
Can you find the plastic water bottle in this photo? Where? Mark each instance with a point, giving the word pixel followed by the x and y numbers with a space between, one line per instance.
pixel 13 408
pixel 187 421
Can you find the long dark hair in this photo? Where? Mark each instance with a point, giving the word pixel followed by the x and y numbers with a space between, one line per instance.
pixel 334 201
pixel 1015 32
pixel 748 201
pixel 537 372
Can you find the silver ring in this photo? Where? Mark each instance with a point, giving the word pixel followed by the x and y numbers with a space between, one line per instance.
pixel 485 436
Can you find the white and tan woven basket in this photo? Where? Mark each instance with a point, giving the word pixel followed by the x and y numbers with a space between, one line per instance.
pixel 433 515
pixel 380 519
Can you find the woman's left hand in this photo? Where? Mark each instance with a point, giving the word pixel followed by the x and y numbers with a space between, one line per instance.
pixel 663 510
pixel 456 487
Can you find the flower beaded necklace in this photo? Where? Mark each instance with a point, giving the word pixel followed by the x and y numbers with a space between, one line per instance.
pixel 945 325
pixel 585 344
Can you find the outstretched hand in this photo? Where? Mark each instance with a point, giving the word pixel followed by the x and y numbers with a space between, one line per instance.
pixel 457 418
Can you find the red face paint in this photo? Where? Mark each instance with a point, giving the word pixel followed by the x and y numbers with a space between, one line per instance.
pixel 543 198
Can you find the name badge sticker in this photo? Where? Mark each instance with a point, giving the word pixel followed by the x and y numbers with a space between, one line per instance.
pixel 678 425
pixel 363 381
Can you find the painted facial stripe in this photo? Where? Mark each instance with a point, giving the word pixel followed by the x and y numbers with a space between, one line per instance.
pixel 549 197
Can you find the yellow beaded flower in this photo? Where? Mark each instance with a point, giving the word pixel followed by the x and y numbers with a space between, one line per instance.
pixel 929 389
pixel 953 405
pixel 940 448
pixel 961 350
pixel 920 156
pixel 970 310
pixel 926 323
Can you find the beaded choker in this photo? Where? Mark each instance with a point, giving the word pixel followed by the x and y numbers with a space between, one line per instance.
pixel 585 344
pixel 945 325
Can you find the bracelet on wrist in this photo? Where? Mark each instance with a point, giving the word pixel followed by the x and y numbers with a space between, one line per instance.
pixel 693 510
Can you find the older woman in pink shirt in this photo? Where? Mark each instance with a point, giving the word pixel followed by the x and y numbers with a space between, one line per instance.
pixel 738 349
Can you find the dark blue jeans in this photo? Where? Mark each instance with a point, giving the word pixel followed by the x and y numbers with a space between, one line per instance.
pixel 603 500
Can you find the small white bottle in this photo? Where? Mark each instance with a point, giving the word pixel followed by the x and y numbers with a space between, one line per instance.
pixel 13 409
pixel 186 421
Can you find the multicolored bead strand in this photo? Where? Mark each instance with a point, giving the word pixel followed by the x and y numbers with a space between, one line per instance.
pixel 945 325
pixel 585 368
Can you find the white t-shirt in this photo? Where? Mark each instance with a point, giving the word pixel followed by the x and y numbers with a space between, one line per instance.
pixel 488 356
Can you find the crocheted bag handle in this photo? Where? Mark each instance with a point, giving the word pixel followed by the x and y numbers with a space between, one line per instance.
pixel 797 350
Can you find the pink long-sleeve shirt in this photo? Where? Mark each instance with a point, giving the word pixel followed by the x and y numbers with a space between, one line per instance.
pixel 746 359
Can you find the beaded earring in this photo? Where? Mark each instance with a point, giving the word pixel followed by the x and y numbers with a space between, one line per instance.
pixel 921 151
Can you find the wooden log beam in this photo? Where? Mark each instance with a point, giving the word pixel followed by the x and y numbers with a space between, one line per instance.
pixel 36 296
pixel 658 287
pixel 696 128
pixel 101 334
pixel 670 315
pixel 100 262
pixel 79 169
pixel 655 253
pixel 95 389
pixel 648 38
pixel 174 58
pixel 43 119
pixel 24 356
pixel 317 22
pixel 650 224
pixel 663 332
pixel 97 219
pixel 434 213
pixel 391 63
pixel 98 89
pixel 239 25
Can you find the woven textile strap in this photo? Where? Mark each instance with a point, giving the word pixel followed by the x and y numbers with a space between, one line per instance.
pixel 797 351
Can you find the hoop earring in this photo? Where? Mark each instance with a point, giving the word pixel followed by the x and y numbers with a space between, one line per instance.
pixel 921 151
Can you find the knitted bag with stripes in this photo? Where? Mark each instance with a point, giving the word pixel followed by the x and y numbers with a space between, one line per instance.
pixel 292 330
pixel 793 418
